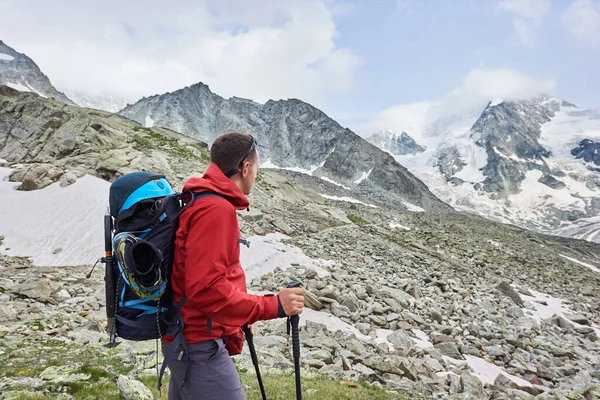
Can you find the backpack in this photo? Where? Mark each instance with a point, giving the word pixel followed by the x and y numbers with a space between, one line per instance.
pixel 139 238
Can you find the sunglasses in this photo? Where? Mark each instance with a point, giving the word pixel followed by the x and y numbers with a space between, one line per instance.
pixel 253 146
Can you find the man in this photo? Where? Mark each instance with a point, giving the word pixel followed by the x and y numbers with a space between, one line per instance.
pixel 207 270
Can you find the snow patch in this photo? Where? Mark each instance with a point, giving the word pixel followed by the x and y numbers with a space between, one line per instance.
pixel 412 207
pixel 326 179
pixel 394 225
pixel 590 266
pixel 19 87
pixel 348 199
pixel 488 372
pixel 422 339
pixel 270 164
pixel 547 306
pixel 332 323
pixel 268 252
pixel 495 102
pixel 6 57
pixel 55 226
pixel 149 122
pixel 364 176
pixel 483 370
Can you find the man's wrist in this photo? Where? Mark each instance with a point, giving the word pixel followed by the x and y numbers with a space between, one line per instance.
pixel 280 312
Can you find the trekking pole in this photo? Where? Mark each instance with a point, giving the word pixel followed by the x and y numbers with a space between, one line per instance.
pixel 293 321
pixel 250 341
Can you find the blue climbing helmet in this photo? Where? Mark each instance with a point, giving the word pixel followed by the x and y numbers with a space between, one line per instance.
pixel 130 189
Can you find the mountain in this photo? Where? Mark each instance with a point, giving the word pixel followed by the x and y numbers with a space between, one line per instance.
pixel 293 135
pixel 397 144
pixel 20 72
pixel 447 305
pixel 49 141
pixel 532 163
pixel 99 102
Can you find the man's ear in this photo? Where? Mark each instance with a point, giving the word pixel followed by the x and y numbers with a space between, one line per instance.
pixel 245 168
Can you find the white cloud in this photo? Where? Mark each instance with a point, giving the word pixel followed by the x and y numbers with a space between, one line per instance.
pixel 411 118
pixel 582 20
pixel 527 17
pixel 260 50
pixel 477 88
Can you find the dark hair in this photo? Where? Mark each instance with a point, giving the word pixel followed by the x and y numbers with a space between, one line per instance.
pixel 228 150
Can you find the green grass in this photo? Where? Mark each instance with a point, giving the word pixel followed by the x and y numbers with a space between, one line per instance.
pixel 277 387
pixel 104 369
pixel 151 140
pixel 283 387
pixel 357 220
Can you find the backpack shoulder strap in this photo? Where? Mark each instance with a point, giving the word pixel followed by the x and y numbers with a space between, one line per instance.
pixel 195 196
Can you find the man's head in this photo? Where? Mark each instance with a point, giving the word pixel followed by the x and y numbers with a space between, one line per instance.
pixel 236 154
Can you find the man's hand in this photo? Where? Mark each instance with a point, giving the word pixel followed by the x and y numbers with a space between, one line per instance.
pixel 291 300
pixel 251 327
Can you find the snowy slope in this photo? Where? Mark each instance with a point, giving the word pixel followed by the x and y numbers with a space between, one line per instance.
pixel 69 231
pixel 68 222
pixel 459 159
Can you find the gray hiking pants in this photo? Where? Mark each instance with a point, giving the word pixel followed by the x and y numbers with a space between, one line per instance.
pixel 206 373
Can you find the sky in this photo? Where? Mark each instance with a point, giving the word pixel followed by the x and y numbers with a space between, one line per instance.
pixel 364 63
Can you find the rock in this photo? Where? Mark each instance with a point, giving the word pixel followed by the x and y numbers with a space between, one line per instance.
pixel 518 394
pixel 340 311
pixel 355 346
pixel 252 215
pixel 346 364
pixel 132 389
pixel 64 374
pixel 389 364
pixel 436 316
pixel 449 349
pixel 503 382
pixel 495 351
pixel 322 355
pixel 578 319
pixel 472 386
pixel 68 178
pixel 270 341
pixel 525 323
pixel 433 364
pixel 62 295
pixel 505 288
pixel 363 369
pixel 391 317
pixel 400 339
pixel 39 290
pixel 363 328
pixel 583 330
pixel 311 301
pixel 310 362
pixel 516 312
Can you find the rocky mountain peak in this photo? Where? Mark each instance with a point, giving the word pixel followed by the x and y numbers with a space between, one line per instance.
pixel 22 73
pixel 396 143
pixel 294 134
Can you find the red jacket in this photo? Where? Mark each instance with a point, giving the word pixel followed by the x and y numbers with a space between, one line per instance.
pixel 207 267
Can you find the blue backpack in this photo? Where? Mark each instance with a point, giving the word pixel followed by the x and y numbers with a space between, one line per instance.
pixel 139 238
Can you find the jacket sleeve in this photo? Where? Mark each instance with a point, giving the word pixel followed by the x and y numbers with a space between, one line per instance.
pixel 212 232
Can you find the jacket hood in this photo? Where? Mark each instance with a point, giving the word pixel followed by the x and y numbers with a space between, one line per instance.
pixel 215 181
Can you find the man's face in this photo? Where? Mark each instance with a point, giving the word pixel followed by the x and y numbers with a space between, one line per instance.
pixel 249 171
